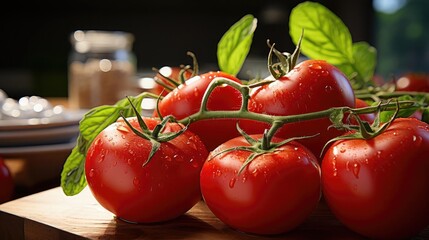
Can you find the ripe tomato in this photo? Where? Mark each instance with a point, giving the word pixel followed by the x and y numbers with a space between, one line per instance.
pixel 312 85
pixel 274 193
pixel 7 184
pixel 170 72
pixel 165 188
pixel 369 117
pixel 413 81
pixel 185 100
pixel 380 187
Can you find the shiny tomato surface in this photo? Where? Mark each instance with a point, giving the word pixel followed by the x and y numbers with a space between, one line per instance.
pixel 413 81
pixel 186 99
pixel 163 189
pixel 312 85
pixel 275 192
pixel 380 187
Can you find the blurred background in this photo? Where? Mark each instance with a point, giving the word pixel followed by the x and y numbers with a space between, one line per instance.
pixel 36 44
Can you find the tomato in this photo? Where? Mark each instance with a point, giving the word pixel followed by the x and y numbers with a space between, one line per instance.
pixel 7 185
pixel 275 193
pixel 185 100
pixel 413 81
pixel 369 117
pixel 380 187
pixel 170 72
pixel 165 188
pixel 312 85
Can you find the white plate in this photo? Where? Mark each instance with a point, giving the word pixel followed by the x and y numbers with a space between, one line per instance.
pixel 28 132
pixel 69 118
pixel 40 136
pixel 42 151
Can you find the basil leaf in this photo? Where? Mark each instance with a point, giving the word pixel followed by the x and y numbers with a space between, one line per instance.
pixel 234 46
pixel 325 35
pixel 93 122
pixel 363 65
pixel 73 179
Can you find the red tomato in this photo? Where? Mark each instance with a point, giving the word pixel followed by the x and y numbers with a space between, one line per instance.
pixel 369 117
pixel 312 85
pixel 418 82
pixel 274 194
pixel 185 100
pixel 380 187
pixel 165 188
pixel 170 72
pixel 7 184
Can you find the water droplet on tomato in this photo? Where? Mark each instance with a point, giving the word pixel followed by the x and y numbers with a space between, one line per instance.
pixel 168 158
pixel 218 173
pixel 122 128
pixel 324 73
pixel 129 161
pixel 255 172
pixel 315 66
pixel 232 182
pixel 356 169
pixel 91 172
pixel 342 150
pixel 101 158
pixel 136 182
pixel 196 92
pixel 194 163
pixel 328 89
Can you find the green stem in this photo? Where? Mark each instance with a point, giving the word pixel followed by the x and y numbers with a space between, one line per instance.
pixel 276 122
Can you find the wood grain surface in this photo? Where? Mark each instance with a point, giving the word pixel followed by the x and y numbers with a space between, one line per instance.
pixel 52 215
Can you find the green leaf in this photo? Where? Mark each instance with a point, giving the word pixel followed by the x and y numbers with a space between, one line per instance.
pixel 403 113
pixel 93 122
pixel 73 179
pixel 235 44
pixel 325 35
pixel 363 66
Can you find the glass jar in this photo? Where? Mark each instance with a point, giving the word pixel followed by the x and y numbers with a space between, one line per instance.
pixel 102 68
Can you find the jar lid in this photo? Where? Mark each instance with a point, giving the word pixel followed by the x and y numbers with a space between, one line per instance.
pixel 101 41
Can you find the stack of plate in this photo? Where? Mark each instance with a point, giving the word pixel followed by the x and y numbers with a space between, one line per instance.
pixel 35 149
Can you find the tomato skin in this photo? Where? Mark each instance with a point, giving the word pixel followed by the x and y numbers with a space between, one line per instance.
pixel 369 117
pixel 165 188
pixel 312 85
pixel 413 81
pixel 172 72
pixel 7 185
pixel 380 187
pixel 185 100
pixel 274 194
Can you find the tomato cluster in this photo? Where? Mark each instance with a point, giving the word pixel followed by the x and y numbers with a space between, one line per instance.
pixel 260 183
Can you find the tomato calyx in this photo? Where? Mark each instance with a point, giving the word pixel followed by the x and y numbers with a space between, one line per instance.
pixel 257 147
pixel 170 83
pixel 155 136
pixel 363 129
pixel 286 62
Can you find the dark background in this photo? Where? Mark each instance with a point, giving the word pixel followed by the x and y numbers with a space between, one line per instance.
pixel 35 36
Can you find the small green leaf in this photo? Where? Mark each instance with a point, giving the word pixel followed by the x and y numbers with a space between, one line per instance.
pixel 404 112
pixel 93 122
pixel 73 179
pixel 235 44
pixel 363 66
pixel 326 37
